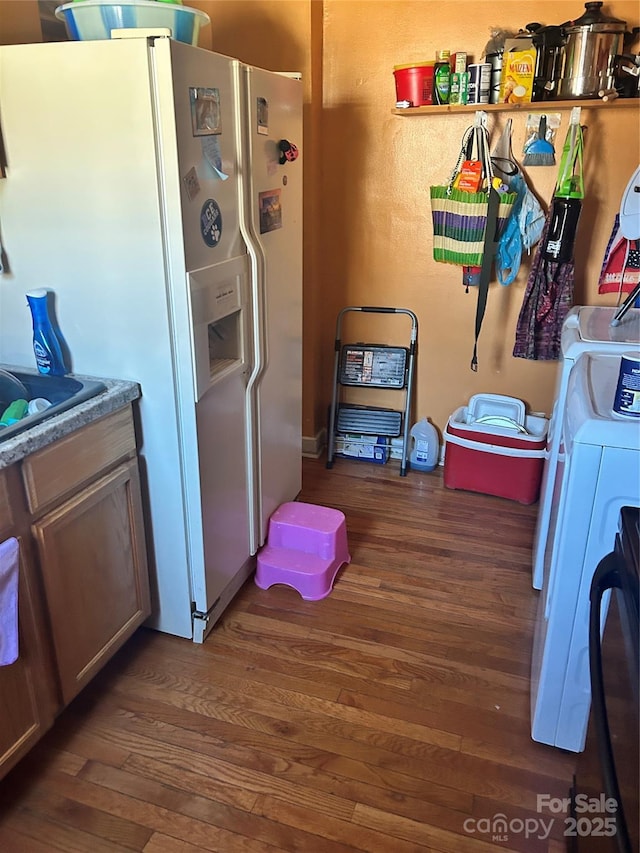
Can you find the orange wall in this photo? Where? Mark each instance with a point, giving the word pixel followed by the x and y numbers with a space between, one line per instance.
pixel 367 174
pixel 19 22
pixel 376 216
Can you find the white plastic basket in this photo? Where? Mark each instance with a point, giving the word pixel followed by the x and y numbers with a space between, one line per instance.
pixel 90 20
pixel 485 406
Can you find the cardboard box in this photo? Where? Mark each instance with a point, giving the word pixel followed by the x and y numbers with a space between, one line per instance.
pixel 459 62
pixel 373 448
pixel 518 69
pixel 396 448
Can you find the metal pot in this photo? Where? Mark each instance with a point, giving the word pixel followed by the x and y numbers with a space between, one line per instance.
pixel 589 54
pixel 628 75
pixel 549 43
pixel 495 61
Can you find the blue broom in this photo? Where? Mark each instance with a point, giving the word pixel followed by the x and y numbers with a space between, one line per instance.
pixel 540 152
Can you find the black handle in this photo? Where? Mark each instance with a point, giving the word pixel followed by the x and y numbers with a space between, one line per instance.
pixel 606 576
pixel 628 303
pixel 375 309
pixel 3 157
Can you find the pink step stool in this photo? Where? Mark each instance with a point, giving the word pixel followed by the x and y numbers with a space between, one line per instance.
pixel 306 545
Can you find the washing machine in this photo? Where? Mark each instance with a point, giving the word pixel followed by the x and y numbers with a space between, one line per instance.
pixel 597 472
pixel 587 328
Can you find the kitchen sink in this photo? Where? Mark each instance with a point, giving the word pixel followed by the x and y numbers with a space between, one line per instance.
pixel 63 392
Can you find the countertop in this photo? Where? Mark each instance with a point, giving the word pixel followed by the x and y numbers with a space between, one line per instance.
pixel 119 393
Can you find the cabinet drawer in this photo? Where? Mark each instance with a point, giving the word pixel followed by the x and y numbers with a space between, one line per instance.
pixel 67 464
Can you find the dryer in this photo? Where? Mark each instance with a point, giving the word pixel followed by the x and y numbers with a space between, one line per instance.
pixel 587 328
pixel 597 472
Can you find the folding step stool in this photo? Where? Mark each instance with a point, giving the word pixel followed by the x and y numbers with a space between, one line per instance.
pixel 373 366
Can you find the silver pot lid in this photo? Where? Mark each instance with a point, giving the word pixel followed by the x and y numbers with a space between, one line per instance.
pixel 594 20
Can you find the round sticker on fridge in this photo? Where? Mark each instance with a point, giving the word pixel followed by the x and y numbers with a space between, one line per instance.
pixel 211 222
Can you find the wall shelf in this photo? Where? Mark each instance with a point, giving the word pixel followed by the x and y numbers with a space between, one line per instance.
pixel 533 106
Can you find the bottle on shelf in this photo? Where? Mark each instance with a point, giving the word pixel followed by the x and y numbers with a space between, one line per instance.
pixel 442 77
pixel 46 346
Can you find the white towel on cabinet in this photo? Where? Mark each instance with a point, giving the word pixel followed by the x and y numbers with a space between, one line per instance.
pixel 9 562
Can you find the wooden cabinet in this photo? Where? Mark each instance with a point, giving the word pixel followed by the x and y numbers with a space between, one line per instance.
pixel 94 573
pixel 27 691
pixel 76 509
pixel 26 703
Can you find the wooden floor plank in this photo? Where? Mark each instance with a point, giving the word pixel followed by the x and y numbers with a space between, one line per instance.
pixel 238 829
pixel 224 688
pixel 96 826
pixel 391 716
pixel 309 766
pixel 14 841
pixel 60 833
pixel 159 843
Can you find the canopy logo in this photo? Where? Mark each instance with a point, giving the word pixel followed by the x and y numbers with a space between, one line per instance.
pixel 589 816
pixel 500 828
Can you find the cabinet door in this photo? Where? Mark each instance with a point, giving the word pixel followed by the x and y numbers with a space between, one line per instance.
pixel 94 569
pixel 26 701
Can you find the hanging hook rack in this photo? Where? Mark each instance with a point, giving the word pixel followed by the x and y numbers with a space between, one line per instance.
pixel 480 119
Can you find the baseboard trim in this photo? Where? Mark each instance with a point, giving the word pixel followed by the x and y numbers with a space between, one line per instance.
pixel 313 445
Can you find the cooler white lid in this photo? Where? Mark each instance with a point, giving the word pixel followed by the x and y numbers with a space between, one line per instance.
pixel 587 328
pixel 590 418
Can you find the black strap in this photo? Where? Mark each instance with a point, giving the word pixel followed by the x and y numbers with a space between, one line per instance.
pixel 489 250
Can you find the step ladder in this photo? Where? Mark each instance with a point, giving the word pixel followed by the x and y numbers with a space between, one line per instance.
pixel 367 365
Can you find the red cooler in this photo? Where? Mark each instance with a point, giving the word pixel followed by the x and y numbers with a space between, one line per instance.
pixel 494 454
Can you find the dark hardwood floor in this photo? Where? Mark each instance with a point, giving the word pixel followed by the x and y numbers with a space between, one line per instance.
pixel 392 716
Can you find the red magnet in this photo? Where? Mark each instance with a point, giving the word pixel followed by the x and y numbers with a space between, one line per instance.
pixel 288 152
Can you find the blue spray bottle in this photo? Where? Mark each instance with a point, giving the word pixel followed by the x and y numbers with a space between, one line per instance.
pixel 46 345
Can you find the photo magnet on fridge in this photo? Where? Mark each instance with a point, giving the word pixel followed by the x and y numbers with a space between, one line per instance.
pixel 270 211
pixel 205 111
pixel 262 115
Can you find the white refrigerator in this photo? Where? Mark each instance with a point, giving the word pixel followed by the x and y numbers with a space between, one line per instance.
pixel 146 186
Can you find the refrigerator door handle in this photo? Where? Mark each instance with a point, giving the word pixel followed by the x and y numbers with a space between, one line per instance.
pixel 253 389
pixel 257 302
